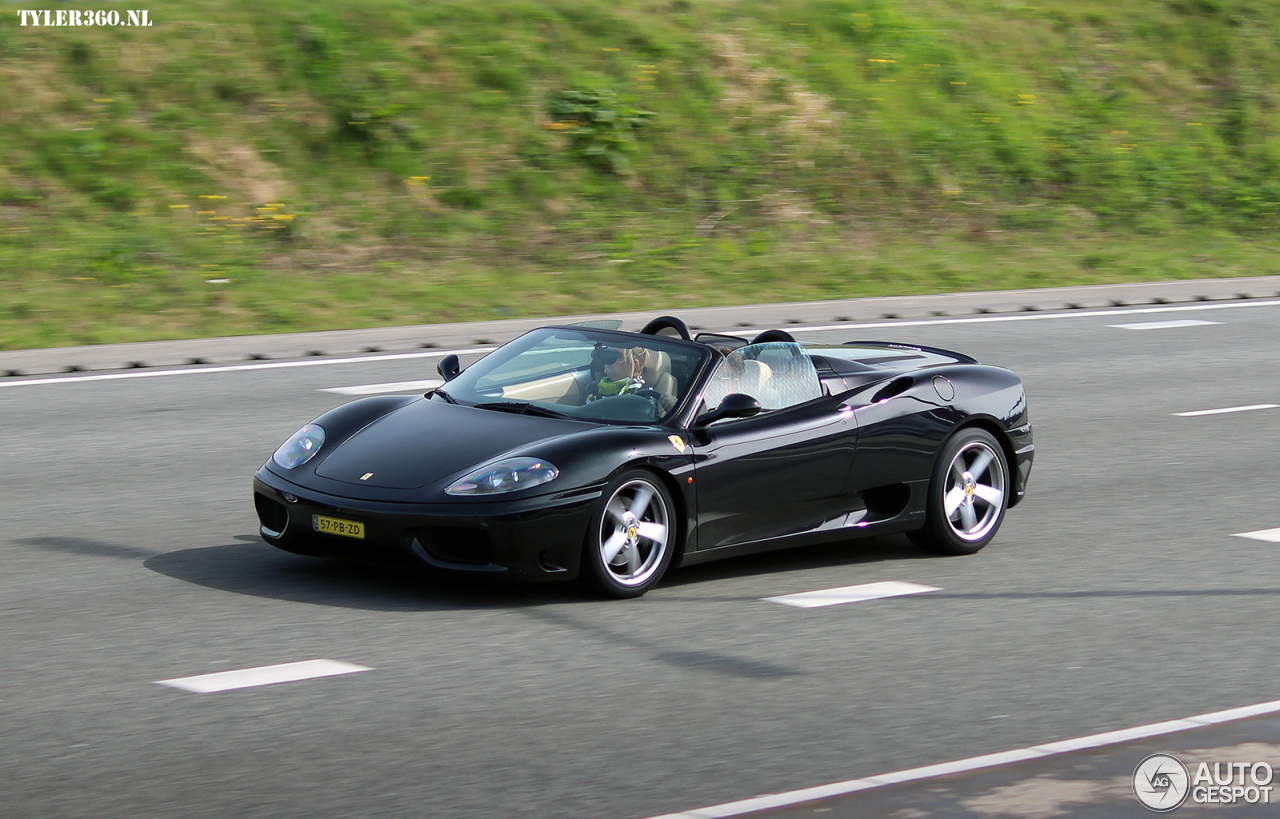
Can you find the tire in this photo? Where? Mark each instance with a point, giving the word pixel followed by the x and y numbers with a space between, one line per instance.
pixel 971 477
pixel 631 537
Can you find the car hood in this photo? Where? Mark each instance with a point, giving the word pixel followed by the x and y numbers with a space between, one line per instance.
pixel 428 441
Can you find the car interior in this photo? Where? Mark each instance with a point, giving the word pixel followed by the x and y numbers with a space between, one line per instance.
pixel 561 370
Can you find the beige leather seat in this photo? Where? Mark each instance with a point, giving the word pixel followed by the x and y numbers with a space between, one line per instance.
pixel 657 375
pixel 793 379
pixel 745 376
pixel 754 377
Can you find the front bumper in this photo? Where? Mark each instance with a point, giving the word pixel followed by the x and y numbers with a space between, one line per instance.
pixel 532 539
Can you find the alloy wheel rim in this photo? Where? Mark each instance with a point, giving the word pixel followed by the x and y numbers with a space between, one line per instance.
pixel 634 533
pixel 975 494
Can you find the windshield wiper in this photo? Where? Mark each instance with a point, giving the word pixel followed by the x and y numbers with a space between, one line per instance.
pixel 446 396
pixel 521 408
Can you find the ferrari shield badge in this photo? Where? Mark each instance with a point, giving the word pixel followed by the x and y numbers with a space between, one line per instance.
pixel 366 476
pixel 677 442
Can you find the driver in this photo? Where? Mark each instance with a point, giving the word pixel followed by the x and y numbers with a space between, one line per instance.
pixel 623 371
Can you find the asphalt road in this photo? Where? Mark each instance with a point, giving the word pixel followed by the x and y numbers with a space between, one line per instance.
pixel 1115 595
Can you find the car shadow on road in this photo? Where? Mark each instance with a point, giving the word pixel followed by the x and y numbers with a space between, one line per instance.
pixel 253 568
pixel 249 566
pixel 86 547
pixel 801 558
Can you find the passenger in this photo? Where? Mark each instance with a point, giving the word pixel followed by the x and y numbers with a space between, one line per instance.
pixel 623 371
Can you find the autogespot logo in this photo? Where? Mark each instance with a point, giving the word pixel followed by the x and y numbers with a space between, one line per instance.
pixel 1161 782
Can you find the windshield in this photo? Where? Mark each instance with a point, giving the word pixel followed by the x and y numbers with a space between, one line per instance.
pixel 583 374
pixel 778 374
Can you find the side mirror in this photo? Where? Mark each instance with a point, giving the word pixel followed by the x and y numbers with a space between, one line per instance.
pixel 734 405
pixel 449 367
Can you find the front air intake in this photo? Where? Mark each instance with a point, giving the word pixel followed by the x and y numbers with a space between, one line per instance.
pixel 469 547
pixel 271 514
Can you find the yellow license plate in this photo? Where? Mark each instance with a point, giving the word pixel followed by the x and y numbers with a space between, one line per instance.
pixel 336 526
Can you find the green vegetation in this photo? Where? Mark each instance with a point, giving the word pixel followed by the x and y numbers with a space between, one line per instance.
pixel 331 165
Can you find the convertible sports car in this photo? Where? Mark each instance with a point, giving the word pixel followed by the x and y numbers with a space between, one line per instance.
pixel 585 451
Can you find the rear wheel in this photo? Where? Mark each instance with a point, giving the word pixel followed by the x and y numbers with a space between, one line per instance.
pixel 968 495
pixel 631 538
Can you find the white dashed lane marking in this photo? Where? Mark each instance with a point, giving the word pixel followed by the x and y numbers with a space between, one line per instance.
pixel 1266 535
pixel 850 594
pixel 264 675
pixel 394 386
pixel 1162 325
pixel 1228 409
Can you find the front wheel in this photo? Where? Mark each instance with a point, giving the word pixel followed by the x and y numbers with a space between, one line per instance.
pixel 631 538
pixel 968 495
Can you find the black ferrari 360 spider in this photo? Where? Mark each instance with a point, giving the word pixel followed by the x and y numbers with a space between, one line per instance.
pixel 585 451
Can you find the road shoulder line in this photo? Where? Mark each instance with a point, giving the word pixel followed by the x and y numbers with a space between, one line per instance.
pixel 779 800
pixel 233 349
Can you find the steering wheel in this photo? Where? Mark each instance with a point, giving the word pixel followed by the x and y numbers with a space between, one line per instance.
pixel 654 396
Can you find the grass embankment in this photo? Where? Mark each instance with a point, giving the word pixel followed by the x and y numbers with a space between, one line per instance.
pixel 394 162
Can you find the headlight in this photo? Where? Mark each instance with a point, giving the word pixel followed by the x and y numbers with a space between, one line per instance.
pixel 505 476
pixel 300 448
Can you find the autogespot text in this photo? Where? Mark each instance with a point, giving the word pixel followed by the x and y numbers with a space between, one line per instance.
pixel 1232 782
